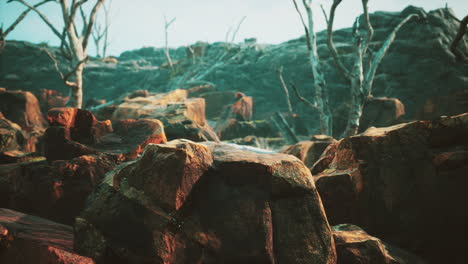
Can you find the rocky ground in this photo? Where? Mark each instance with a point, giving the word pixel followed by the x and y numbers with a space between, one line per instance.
pixel 157 169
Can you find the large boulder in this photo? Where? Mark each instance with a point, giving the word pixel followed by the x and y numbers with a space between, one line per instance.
pixel 309 151
pixel 30 239
pixel 355 246
pixel 381 112
pixel 184 202
pixel 76 132
pixel 56 191
pixel 404 184
pixel 216 101
pixel 22 108
pixel 49 99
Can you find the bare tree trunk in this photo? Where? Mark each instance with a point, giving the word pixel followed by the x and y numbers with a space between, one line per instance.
pixel 321 96
pixel 167 24
pixel 76 91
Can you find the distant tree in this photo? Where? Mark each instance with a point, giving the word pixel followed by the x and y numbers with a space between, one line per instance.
pixel 73 43
pixel 361 80
pixel 320 103
pixel 167 24
pixel 101 32
pixel 458 38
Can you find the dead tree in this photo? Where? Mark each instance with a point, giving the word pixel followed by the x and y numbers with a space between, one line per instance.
pixel 458 38
pixel 167 24
pixel 361 80
pixel 73 44
pixel 285 88
pixel 320 90
pixel 101 33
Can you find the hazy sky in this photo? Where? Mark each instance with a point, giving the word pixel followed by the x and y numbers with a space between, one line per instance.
pixel 139 23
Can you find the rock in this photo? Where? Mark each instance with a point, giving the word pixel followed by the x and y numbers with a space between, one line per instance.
pixel 17 156
pixel 309 151
pixel 93 102
pixel 57 191
pixel 381 112
pixel 233 128
pixel 142 107
pixel 216 102
pixel 451 104
pixel 49 99
pixel 404 184
pixel 23 108
pixel 76 132
pixel 30 239
pixel 355 246
pixel 198 91
pixel 184 202
pixel 139 93
pixel 259 142
pixel 11 135
pixel 241 109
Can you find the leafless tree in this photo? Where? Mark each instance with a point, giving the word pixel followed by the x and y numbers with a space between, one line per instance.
pixel 73 43
pixel 101 32
pixel 321 103
pixel 361 80
pixel 167 24
pixel 458 38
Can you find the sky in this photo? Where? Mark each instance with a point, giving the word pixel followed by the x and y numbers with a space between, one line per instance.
pixel 140 23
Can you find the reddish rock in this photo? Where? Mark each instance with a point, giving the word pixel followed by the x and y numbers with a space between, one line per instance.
pixel 381 112
pixel 22 108
pixel 57 191
pixel 355 246
pixel 217 101
pixel 75 132
pixel 241 109
pixel 184 202
pixel 197 91
pixel 30 239
pixel 409 184
pixel 49 99
pixel 309 151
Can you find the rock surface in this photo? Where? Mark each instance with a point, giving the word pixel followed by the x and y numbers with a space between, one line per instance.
pixel 308 151
pixel 76 132
pixel 30 239
pixel 184 202
pixel 404 184
pixel 22 108
pixel 355 246
pixel 56 191
pixel 381 112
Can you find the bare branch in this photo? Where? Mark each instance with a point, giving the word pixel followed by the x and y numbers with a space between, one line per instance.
pixel 458 38
pixel 65 78
pixel 234 34
pixel 42 16
pixel 368 25
pixel 324 13
pixel 285 88
pixel 21 17
pixel 54 60
pixel 369 78
pixel 92 19
pixel 167 24
pixel 306 30
pixel 331 44
pixel 303 99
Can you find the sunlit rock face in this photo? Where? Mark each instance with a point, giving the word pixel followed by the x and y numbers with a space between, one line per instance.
pixel 184 202
pixel 75 132
pixel 355 246
pixel 31 239
pixel 404 184
pixel 309 151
